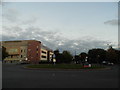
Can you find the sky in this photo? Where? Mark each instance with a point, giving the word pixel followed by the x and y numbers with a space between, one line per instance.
pixel 73 26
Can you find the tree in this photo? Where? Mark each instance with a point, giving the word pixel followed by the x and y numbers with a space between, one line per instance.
pixel 118 57
pixel 97 55
pixel 67 57
pixel 83 56
pixel 4 53
pixel 77 59
pixel 112 55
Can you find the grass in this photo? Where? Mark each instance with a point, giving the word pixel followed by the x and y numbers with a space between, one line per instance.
pixel 64 66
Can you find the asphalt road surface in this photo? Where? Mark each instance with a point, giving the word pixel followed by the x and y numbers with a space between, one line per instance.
pixel 15 76
pixel 0 75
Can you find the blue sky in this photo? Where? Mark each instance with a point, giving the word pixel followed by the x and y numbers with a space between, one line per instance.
pixel 62 21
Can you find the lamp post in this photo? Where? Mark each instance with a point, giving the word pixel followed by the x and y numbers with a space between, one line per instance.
pixel 98 58
pixel 54 60
pixel 86 59
pixel 75 57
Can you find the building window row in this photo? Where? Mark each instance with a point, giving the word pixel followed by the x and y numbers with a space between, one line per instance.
pixel 43 56
pixel 44 52
pixel 13 56
pixel 22 50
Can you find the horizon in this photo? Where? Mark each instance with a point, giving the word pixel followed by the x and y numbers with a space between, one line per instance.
pixel 73 53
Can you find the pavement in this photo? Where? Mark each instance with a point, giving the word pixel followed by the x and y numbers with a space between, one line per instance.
pixel 15 76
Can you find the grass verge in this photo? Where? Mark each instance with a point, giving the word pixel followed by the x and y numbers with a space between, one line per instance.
pixel 64 66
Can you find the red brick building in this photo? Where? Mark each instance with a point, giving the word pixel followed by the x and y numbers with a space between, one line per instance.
pixel 27 50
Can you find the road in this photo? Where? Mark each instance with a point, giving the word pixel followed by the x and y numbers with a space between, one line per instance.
pixel 0 75
pixel 15 76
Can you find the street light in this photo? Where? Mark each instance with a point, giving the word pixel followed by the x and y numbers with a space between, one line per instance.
pixel 86 59
pixel 54 60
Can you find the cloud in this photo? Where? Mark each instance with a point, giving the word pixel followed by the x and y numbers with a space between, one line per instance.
pixel 0 2
pixel 112 22
pixel 31 20
pixel 26 30
pixel 3 3
pixel 51 39
pixel 11 15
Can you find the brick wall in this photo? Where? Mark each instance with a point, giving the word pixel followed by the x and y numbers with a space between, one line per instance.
pixel 33 52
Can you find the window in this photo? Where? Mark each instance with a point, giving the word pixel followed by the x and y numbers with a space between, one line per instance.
pixel 37 54
pixel 37 46
pixel 44 52
pixel 21 50
pixel 21 56
pixel 43 56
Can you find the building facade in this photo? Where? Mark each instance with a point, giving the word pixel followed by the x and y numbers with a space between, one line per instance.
pixel 27 50
pixel 46 54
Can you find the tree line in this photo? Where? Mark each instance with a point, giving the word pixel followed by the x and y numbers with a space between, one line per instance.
pixel 96 55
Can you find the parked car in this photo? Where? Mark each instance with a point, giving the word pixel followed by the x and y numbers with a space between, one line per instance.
pixel 86 64
pixel 110 63
pixel 107 63
pixel 104 62
pixel 23 62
